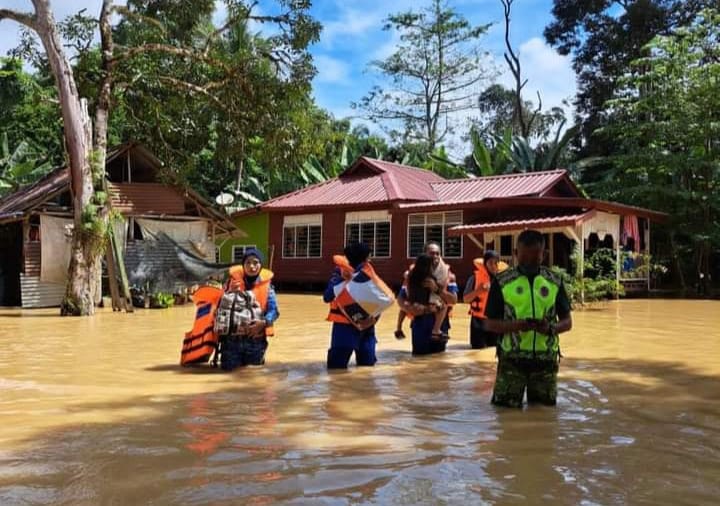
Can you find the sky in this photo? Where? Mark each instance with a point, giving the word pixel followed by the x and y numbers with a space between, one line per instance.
pixel 352 37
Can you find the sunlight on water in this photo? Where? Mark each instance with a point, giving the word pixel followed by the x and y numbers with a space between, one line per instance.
pixel 97 411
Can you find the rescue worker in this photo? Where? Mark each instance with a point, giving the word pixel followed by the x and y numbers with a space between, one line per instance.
pixel 423 317
pixel 442 273
pixel 249 349
pixel 528 305
pixel 347 338
pixel 476 294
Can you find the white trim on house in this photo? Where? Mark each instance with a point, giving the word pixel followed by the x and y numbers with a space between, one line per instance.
pixel 303 219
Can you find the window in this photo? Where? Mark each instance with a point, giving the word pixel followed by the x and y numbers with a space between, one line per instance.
pixel 506 245
pixel 372 228
pixel 302 236
pixel 423 228
pixel 238 251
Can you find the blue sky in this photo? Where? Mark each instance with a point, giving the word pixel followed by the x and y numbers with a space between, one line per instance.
pixel 352 37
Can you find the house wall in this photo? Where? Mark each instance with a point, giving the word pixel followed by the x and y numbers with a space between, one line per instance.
pixel 36 293
pixel 257 228
pixel 317 270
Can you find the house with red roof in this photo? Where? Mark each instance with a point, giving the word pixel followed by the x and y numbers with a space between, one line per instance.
pixel 396 209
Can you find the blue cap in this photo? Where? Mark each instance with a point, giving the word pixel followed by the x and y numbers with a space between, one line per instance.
pixel 253 252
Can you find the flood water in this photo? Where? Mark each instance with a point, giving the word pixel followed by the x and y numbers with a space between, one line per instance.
pixel 97 411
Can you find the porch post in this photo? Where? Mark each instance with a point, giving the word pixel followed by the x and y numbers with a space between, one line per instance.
pixel 581 260
pixel 647 253
pixel 617 262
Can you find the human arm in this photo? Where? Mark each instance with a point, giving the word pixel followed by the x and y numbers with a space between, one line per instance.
pixel 408 307
pixel 563 310
pixel 448 292
pixel 335 279
pixel 472 292
pixel 495 312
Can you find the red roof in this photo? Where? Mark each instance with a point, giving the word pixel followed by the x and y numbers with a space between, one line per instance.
pixel 558 220
pixel 463 191
pixel 370 181
pixel 366 181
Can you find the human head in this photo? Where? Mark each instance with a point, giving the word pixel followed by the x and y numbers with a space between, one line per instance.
pixel 432 249
pixel 356 253
pixel 530 249
pixel 490 260
pixel 252 262
pixel 421 270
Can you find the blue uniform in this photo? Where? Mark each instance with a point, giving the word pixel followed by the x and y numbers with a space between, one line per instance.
pixel 346 338
pixel 422 326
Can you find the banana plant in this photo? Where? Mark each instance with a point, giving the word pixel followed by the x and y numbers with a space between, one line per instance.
pixel 19 167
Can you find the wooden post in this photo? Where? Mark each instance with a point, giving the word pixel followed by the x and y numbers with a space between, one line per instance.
pixel 647 253
pixel 272 256
pixel 617 261
pixel 581 261
pixel 117 302
pixel 117 250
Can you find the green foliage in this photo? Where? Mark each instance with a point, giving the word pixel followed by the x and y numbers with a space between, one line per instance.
pixel 161 300
pixel 19 167
pixel 604 36
pixel 666 119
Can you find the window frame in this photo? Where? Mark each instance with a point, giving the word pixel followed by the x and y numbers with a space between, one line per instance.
pixel 244 248
pixel 444 224
pixel 302 221
pixel 363 218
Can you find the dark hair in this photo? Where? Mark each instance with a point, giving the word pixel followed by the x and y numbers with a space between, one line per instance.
pixel 531 238
pixel 418 274
pixel 490 254
pixel 356 253
pixel 432 243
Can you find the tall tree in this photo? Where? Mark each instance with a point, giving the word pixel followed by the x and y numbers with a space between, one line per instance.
pixel 435 72
pixel 86 143
pixel 604 36
pixel 666 120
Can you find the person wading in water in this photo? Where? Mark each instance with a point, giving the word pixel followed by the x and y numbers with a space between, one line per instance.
pixel 476 294
pixel 528 305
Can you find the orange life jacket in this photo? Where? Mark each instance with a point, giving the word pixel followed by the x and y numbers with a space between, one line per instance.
pixel 261 288
pixel 482 278
pixel 336 313
pixel 200 343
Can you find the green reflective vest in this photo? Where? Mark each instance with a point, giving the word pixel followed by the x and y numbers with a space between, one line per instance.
pixel 523 301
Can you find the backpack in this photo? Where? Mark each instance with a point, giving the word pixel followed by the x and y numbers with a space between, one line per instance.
pixel 235 311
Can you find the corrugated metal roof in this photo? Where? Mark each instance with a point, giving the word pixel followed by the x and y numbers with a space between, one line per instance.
pixel 520 223
pixel 370 181
pixel 29 196
pixel 462 191
pixel 366 181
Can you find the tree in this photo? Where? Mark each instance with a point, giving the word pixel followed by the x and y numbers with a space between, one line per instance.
pixel 604 36
pixel 666 120
pixel 435 73
pixel 497 106
pixel 21 166
pixel 86 144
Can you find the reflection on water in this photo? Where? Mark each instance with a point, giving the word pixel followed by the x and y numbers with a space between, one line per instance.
pixel 95 411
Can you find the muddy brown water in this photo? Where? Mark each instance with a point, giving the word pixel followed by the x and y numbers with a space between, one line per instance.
pixel 96 411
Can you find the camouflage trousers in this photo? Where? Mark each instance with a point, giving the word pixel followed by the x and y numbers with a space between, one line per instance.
pixel 514 376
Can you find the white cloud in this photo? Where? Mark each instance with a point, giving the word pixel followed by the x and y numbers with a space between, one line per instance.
pixel 351 22
pixel 331 70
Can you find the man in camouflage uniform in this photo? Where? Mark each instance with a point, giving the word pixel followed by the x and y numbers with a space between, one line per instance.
pixel 528 305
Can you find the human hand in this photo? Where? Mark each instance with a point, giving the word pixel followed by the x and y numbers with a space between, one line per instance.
pixel 346 275
pixel 256 328
pixel 366 323
pixel 431 285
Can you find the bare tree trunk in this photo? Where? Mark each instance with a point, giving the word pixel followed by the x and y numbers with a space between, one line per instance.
pixel 80 290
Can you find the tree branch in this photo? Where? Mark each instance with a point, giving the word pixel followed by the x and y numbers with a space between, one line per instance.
pixel 24 18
